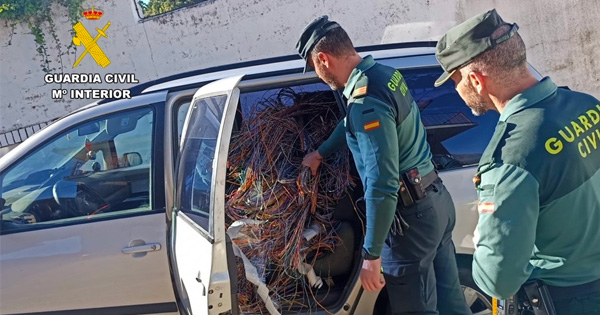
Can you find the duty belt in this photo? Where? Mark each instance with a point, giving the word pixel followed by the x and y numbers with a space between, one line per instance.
pixel 429 179
pixel 399 225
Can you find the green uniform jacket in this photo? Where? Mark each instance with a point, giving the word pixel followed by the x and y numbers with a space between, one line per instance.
pixel 539 195
pixel 384 132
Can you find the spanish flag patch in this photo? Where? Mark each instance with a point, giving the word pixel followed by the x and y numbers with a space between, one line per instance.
pixel 360 91
pixel 372 125
pixel 486 207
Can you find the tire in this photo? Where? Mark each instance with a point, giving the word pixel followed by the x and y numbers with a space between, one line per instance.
pixel 479 302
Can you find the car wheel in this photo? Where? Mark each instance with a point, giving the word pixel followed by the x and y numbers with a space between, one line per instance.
pixel 479 302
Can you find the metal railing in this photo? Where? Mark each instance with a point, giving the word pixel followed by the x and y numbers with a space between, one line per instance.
pixel 16 136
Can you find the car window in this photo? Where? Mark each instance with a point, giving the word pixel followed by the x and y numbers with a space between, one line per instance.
pixel 93 163
pixel 93 170
pixel 180 120
pixel 196 161
pixel 254 102
pixel 456 136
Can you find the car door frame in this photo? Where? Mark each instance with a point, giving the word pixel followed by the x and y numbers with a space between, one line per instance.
pixel 222 278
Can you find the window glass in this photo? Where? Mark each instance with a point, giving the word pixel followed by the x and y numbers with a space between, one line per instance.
pixel 155 7
pixel 456 136
pixel 94 164
pixel 181 113
pixel 96 169
pixel 196 168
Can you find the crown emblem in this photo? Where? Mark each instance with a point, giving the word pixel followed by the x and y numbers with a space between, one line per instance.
pixel 93 14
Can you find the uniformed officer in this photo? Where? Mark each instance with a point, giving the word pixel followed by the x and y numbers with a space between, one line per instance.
pixel 384 132
pixel 538 180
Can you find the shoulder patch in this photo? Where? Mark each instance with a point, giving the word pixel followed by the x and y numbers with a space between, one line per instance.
pixel 372 125
pixel 486 207
pixel 361 91
pixel 360 88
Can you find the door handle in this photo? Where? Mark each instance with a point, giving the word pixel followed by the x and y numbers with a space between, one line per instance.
pixel 151 247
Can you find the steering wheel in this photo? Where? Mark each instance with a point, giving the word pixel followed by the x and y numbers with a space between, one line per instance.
pixel 77 199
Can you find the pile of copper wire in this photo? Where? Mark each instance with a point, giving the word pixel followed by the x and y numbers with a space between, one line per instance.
pixel 267 183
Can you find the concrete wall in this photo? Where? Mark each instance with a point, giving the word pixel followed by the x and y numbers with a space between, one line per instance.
pixel 563 39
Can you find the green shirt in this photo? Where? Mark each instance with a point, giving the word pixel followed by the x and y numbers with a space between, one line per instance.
pixel 384 132
pixel 539 195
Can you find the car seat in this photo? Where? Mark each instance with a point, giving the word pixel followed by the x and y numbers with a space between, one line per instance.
pixel 340 261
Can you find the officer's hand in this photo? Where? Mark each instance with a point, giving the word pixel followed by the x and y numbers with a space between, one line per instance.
pixel 312 160
pixel 371 276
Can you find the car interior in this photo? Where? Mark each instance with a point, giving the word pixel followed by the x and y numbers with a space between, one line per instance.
pixel 340 267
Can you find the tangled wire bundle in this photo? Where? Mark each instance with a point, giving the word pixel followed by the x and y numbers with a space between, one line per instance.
pixel 268 184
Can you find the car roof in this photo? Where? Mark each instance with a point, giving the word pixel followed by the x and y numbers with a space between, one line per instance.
pixel 263 68
pixel 269 65
pixel 291 63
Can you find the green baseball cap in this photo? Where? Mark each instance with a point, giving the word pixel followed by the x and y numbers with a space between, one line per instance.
pixel 464 42
pixel 311 35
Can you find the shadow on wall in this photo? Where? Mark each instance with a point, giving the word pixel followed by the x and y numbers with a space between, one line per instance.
pixel 417 31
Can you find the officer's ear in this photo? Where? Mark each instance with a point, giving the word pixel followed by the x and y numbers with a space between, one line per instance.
pixel 477 80
pixel 324 59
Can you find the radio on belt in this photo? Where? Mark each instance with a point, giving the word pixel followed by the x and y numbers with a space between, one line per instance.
pixel 532 299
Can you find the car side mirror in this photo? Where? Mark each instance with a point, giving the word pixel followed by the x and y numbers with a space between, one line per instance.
pixel 2 202
pixel 131 159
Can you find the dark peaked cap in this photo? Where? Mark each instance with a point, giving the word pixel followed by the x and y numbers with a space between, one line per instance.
pixel 311 35
pixel 464 42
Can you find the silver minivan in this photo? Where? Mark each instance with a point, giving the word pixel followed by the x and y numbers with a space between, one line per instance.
pixel 98 215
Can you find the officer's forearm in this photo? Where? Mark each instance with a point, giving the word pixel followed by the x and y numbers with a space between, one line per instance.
pixel 494 279
pixel 335 142
pixel 380 214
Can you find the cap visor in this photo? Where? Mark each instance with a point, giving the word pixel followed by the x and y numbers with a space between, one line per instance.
pixel 443 78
